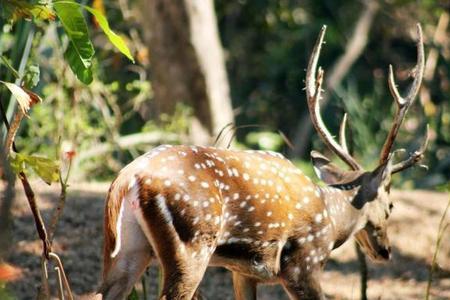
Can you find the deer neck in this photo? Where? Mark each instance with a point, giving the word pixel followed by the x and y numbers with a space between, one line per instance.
pixel 345 216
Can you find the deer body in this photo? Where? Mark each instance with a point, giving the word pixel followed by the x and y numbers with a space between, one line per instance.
pixel 252 212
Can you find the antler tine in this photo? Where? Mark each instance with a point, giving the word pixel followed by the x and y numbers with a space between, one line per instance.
pixel 415 157
pixel 342 138
pixel 313 90
pixel 403 104
pixel 312 64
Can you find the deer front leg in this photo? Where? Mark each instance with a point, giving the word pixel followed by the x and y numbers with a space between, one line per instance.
pixel 244 287
pixel 182 276
pixel 198 295
pixel 302 284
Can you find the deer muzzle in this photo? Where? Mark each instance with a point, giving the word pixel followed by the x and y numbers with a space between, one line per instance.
pixel 377 249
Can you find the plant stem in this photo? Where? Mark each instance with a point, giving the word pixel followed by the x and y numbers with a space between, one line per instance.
pixel 62 201
pixel 441 229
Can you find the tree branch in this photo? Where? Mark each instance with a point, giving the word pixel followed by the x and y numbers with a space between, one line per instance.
pixel 353 51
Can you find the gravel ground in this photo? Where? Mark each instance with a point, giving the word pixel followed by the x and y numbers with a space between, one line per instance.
pixel 413 230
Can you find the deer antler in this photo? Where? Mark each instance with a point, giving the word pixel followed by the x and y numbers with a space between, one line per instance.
pixel 414 157
pixel 403 104
pixel 342 138
pixel 313 90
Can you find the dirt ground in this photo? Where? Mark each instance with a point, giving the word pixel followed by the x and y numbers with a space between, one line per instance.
pixel 413 230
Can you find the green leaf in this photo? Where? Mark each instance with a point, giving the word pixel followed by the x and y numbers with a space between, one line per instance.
pixel 47 169
pixel 17 162
pixel 31 77
pixel 80 51
pixel 84 74
pixel 42 12
pixel 116 40
pixel 20 9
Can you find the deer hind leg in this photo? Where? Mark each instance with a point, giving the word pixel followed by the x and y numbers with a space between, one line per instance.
pixel 183 252
pixel 183 266
pixel 244 287
pixel 130 261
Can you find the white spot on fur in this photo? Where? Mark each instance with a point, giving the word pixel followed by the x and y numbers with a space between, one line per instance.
pixel 204 184
pixel 161 202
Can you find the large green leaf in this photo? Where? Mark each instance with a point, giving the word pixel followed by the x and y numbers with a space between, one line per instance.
pixel 80 51
pixel 116 40
pixel 84 74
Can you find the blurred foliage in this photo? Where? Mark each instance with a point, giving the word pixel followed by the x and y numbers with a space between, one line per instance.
pixel 81 116
pixel 267 45
pixel 265 140
pixel 178 122
pixel 4 293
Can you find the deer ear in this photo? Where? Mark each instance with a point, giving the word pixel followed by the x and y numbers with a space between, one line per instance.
pixel 325 169
pixel 381 175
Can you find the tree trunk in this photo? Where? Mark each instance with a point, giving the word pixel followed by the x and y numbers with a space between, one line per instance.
pixel 187 63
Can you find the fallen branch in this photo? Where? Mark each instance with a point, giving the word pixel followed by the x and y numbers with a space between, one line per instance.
pixel 128 141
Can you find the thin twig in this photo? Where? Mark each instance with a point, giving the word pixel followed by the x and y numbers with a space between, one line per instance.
pixel 44 289
pixel 60 284
pixel 12 130
pixel 40 226
pixel 62 275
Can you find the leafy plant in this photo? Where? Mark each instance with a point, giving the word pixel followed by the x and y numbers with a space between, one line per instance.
pixel 79 54
pixel 80 51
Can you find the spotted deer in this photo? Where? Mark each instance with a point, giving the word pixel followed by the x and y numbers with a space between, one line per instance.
pixel 252 212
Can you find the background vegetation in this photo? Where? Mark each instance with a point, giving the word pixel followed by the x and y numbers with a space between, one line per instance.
pixel 267 44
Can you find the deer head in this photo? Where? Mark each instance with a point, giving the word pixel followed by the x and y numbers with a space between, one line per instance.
pixel 371 187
